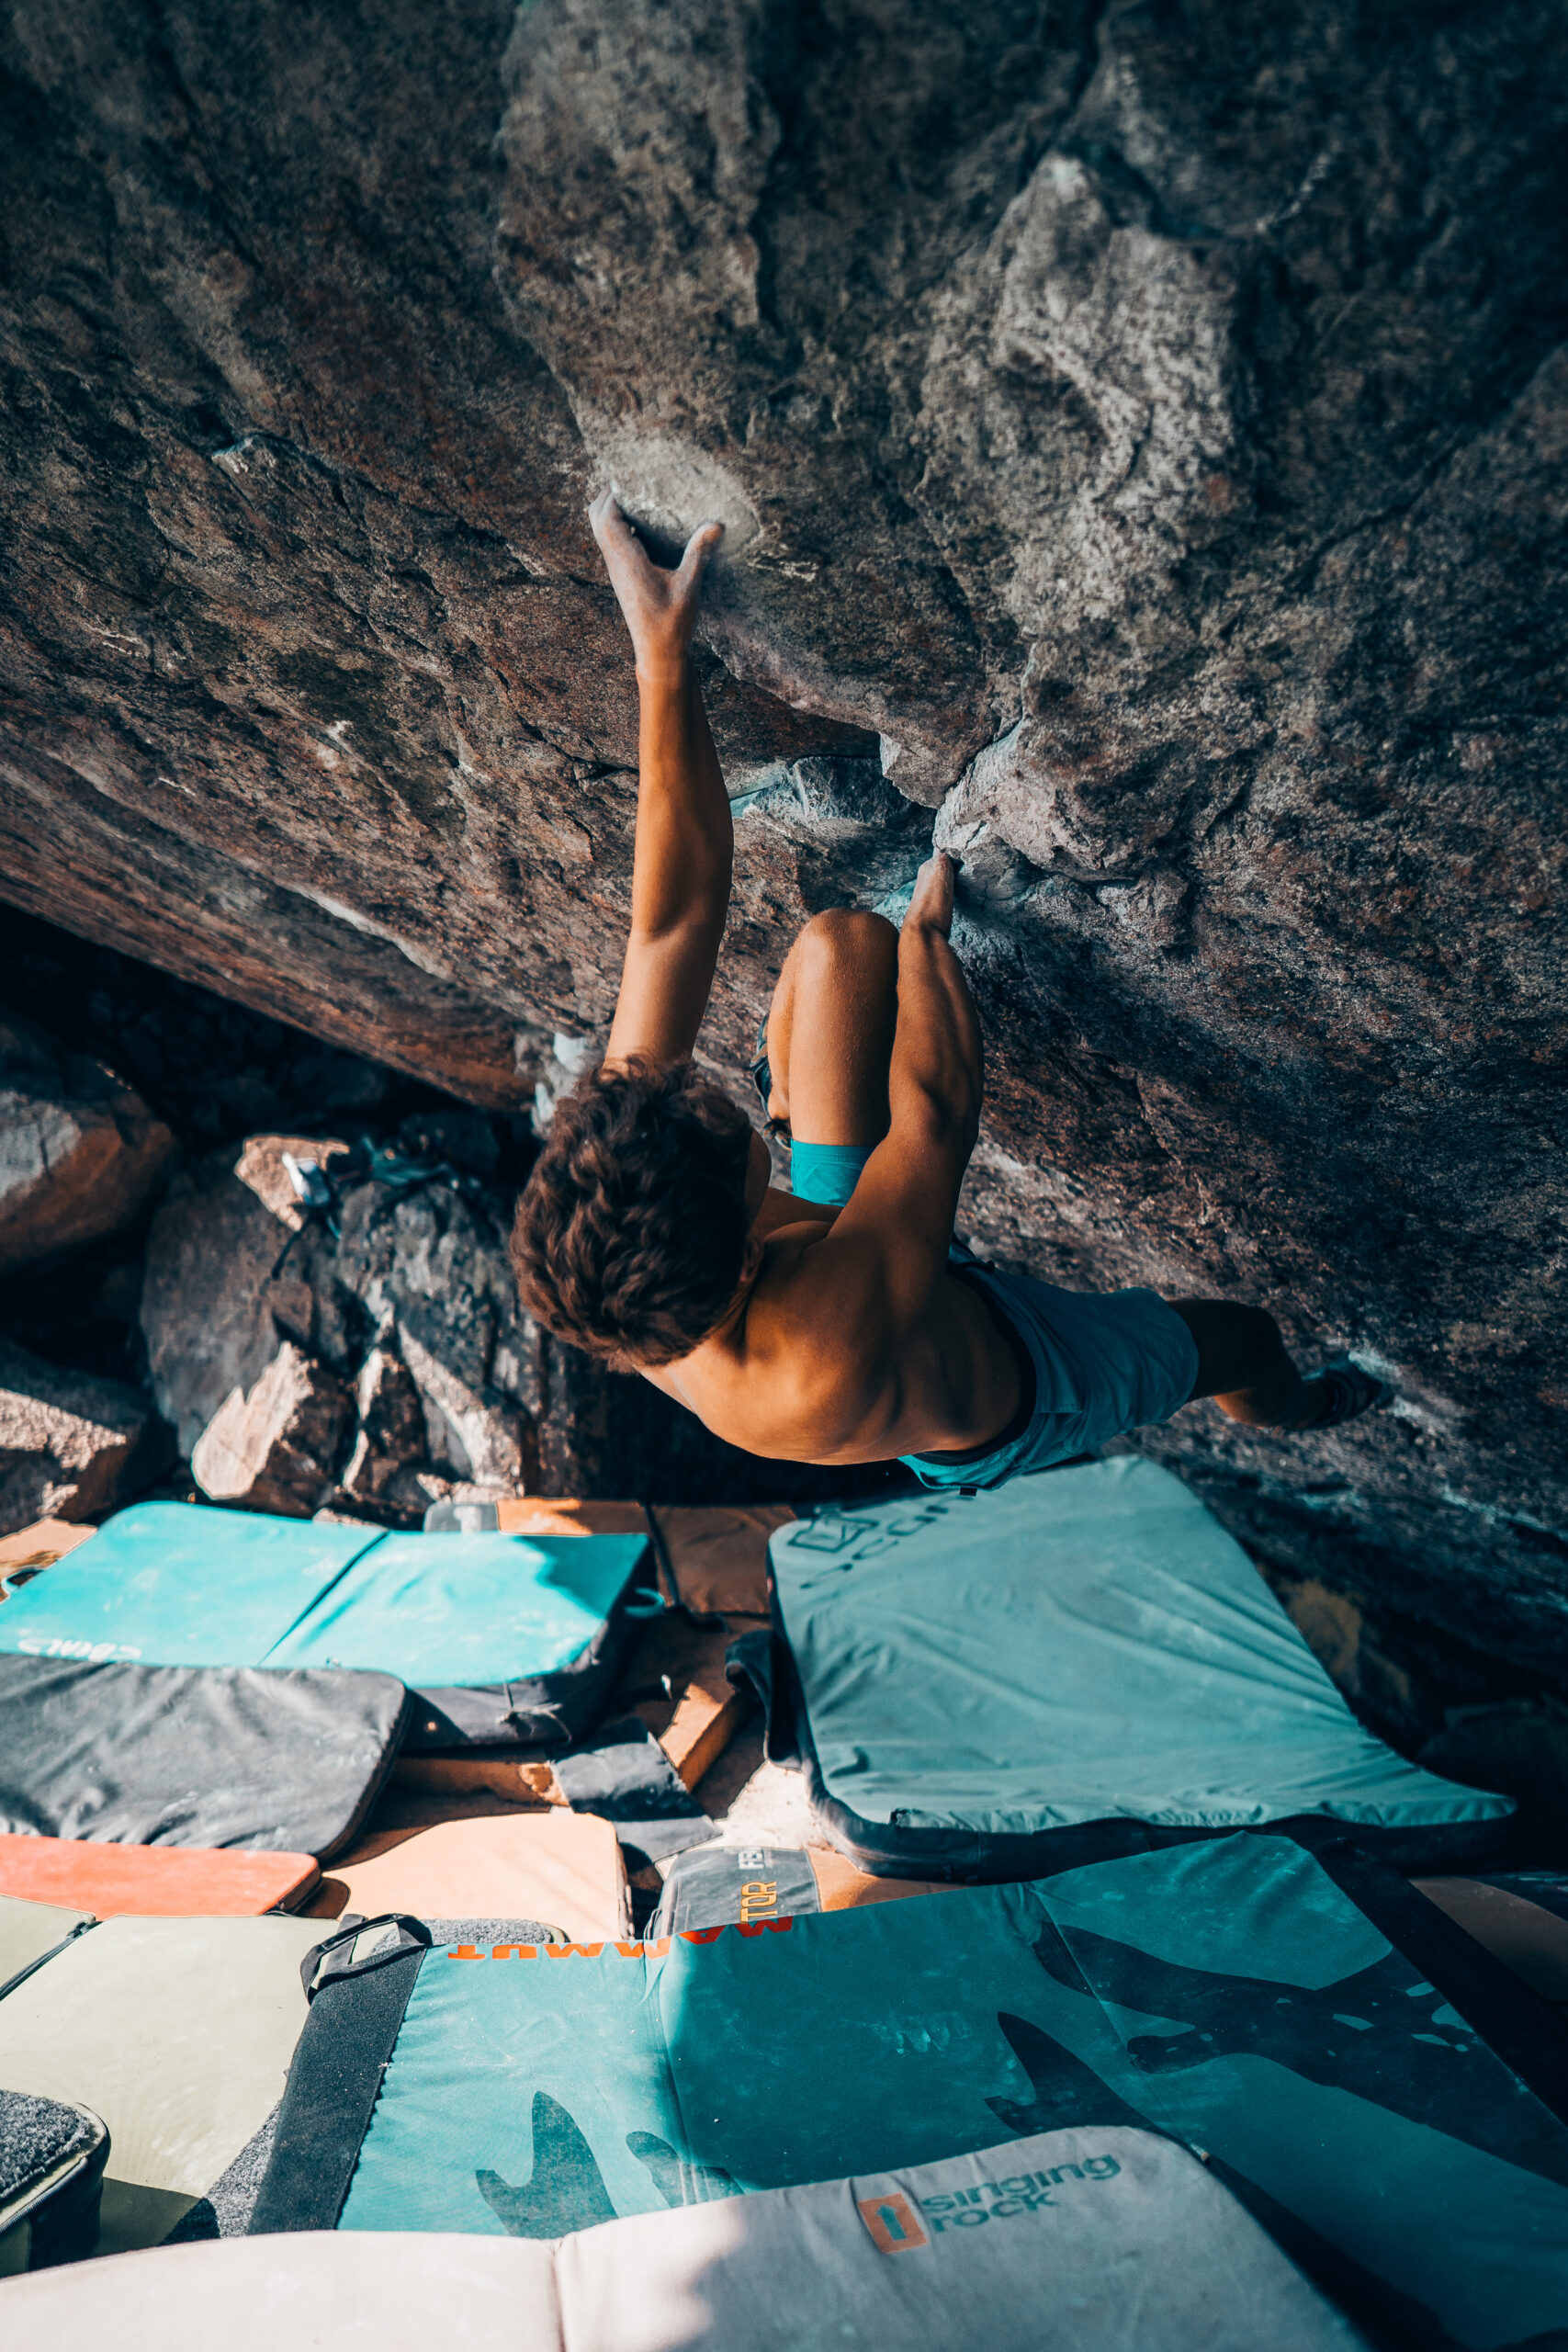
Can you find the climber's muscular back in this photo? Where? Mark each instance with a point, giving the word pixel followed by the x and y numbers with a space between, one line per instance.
pixel 825 1361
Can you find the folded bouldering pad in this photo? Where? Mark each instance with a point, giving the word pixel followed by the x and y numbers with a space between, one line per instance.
pixel 52 2169
pixel 1074 2241
pixel 714 1886
pixel 1386 2098
pixel 1073 1666
pixel 557 1866
pixel 193 1755
pixel 155 1882
pixel 178 2033
pixel 501 1638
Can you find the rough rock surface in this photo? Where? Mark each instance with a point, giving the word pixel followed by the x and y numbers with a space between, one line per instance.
pixel 277 1449
pixel 1148 421
pixel 81 1156
pixel 69 1445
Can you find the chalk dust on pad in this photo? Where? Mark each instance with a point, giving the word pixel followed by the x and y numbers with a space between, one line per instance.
pixel 1084 1648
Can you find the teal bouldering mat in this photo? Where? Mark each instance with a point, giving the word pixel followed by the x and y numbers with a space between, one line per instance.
pixel 501 1638
pixel 1003 1684
pixel 1383 2097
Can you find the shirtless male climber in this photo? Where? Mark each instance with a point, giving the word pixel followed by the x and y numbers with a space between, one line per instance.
pixel 840 1321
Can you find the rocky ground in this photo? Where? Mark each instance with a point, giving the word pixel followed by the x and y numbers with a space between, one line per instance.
pixel 1139 433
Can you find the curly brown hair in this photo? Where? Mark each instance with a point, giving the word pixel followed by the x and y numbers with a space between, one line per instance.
pixel 630 1234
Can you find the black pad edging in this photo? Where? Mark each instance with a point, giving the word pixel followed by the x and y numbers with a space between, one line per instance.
pixel 333 2082
pixel 559 1706
pixel 396 1736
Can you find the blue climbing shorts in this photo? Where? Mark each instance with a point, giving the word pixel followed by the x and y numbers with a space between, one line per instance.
pixel 1103 1362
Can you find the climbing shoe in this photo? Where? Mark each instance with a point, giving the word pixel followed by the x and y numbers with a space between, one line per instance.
pixel 1350 1392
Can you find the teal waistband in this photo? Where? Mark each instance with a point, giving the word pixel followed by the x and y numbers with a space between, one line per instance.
pixel 827 1173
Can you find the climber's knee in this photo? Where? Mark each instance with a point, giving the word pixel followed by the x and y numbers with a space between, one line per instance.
pixel 846 943
pixel 833 1023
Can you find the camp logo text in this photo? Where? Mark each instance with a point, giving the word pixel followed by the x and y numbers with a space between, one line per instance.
pixel 897 2226
pixel 90 1653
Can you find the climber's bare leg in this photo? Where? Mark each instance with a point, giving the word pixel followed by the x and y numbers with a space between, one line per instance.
pixel 830 1029
pixel 1243 1365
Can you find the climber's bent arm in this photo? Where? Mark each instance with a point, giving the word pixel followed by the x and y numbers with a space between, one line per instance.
pixel 684 847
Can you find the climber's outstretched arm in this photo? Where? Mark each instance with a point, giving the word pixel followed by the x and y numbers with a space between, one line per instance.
pixel 684 848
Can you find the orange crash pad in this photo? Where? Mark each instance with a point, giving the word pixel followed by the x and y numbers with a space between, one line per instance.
pixel 562 1868
pixel 153 1882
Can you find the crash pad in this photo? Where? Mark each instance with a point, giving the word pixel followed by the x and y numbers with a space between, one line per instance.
pixel 1072 1666
pixel 193 1755
pixel 166 1882
pixel 501 1636
pixel 719 1554
pixel 1064 2242
pixel 52 2167
pixel 1524 1935
pixel 178 2033
pixel 559 1866
pixel 30 1930
pixel 1388 2099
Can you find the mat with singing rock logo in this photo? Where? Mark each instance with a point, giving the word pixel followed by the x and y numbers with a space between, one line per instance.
pixel 1075 1666
pixel 1065 2241
pixel 1387 2101
pixel 500 1637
